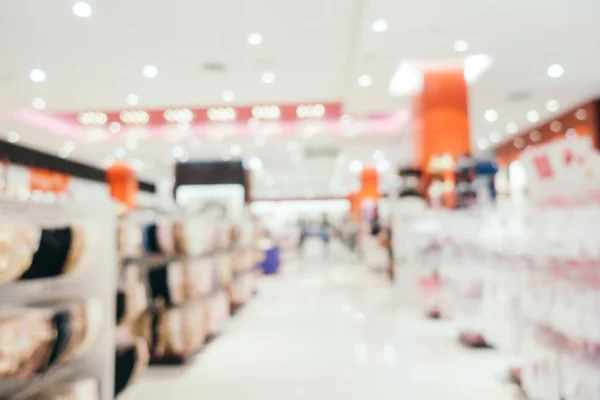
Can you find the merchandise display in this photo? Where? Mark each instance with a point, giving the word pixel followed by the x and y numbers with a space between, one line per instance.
pixel 521 275
pixel 58 300
pixel 183 273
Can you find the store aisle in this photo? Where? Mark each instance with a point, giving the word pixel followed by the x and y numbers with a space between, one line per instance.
pixel 323 331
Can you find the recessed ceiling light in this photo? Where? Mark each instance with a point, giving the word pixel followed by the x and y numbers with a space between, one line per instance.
pixel 255 39
pixel 556 71
pixel 355 166
pixel 495 137
pixel 519 143
pixel 235 149
pixel 491 115
pixel 114 127
pixel 581 114
pixel 150 71
pixel 137 164
pixel 571 133
pixel 38 103
pixel 132 99
pixel 461 46
pixel 37 75
pixel 483 144
pixel 255 163
pixel 512 128
pixel 120 152
pixel 556 126
pixel 533 116
pixel 177 151
pixel 346 119
pixel 552 105
pixel 535 136
pixel 382 165
pixel 365 81
pixel 377 155
pixel 82 9
pixel 13 137
pixel 62 153
pixel 68 146
pixel 268 77
pixel 380 25
pixel 228 96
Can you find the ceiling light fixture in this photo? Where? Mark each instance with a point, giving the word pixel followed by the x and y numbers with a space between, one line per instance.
pixel 92 118
pixel 82 9
pixel 533 116
pixel 120 152
pixel 382 165
pixel 255 163
pixel 495 137
pixel 38 103
pixel 13 137
pixel 177 151
pixel 150 71
pixel 255 39
pixel 68 146
pixel 62 153
pixel 179 115
pixel 235 150
pixel 519 143
pixel 132 99
pixel 228 96
pixel 380 25
pixel 135 117
pixel 37 75
pixel 535 136
pixel 491 115
pixel 265 112
pixel 221 114
pixel 581 114
pixel 552 105
pixel 114 127
pixel 556 71
pixel 377 155
pixel 512 128
pixel 461 46
pixel 556 126
pixel 365 81
pixel 355 166
pixel 268 77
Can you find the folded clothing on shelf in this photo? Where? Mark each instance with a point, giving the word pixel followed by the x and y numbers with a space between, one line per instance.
pixel 41 337
pixel 131 360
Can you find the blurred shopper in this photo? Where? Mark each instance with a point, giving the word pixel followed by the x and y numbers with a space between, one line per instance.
pixel 384 238
pixel 325 232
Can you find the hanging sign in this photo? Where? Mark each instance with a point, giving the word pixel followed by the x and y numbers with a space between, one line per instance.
pixel 43 180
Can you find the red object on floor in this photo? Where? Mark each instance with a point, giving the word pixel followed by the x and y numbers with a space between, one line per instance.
pixel 434 313
pixel 515 375
pixel 473 339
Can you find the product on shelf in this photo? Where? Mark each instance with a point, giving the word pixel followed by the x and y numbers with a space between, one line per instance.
pixel 130 362
pixel 57 296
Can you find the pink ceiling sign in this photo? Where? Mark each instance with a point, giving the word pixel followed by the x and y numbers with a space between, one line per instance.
pixel 222 121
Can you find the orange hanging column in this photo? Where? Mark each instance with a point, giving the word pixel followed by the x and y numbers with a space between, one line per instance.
pixel 369 192
pixel 122 183
pixel 441 118
pixel 354 200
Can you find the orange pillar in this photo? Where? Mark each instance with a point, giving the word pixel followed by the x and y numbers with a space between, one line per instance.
pixel 441 117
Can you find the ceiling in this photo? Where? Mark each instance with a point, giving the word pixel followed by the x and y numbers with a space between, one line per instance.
pixel 317 51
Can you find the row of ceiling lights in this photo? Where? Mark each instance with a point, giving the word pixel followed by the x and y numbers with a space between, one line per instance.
pixel 512 128
pixel 554 71
pixel 215 114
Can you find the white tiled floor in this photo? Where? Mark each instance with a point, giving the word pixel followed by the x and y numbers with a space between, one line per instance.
pixel 330 330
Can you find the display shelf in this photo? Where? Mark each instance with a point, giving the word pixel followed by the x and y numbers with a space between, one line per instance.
pixel 91 286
